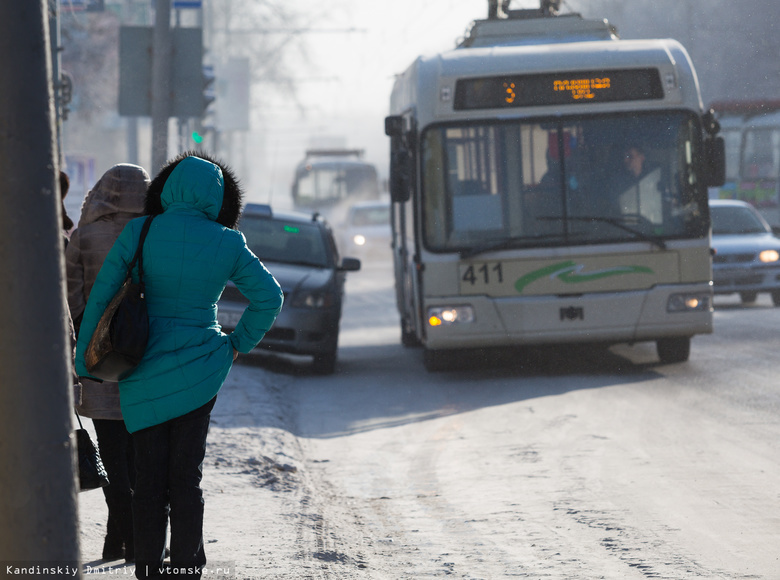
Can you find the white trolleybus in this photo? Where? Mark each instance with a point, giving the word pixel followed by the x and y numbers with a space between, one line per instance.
pixel 549 185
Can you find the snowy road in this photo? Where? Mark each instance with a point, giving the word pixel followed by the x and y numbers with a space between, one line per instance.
pixel 562 464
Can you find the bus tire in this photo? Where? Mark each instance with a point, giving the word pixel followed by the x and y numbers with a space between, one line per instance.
pixel 435 360
pixel 674 349
pixel 776 297
pixel 409 338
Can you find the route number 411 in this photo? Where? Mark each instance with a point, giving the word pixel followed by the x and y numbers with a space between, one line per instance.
pixel 484 274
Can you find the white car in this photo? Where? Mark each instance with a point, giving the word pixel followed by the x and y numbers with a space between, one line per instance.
pixel 746 257
pixel 365 233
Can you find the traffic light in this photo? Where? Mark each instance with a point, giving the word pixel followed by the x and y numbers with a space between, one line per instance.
pixel 209 93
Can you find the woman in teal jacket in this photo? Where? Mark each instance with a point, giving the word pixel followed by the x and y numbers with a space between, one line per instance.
pixel 190 253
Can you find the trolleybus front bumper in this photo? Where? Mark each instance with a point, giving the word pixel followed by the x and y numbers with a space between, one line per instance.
pixel 619 317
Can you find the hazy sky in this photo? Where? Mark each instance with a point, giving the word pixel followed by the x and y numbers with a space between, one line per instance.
pixel 345 81
pixel 345 85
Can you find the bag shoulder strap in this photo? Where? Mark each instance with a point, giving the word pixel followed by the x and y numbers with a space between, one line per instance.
pixel 139 256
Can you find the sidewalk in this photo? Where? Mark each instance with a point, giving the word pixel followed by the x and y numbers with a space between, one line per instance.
pixel 251 482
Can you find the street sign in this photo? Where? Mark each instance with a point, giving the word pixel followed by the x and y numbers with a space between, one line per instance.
pixel 233 83
pixel 135 72
pixel 181 4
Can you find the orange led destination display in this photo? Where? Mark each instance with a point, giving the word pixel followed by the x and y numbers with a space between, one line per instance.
pixel 558 89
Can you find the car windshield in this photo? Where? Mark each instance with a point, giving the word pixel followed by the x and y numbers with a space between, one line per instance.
pixel 291 242
pixel 735 221
pixel 370 216
pixel 593 179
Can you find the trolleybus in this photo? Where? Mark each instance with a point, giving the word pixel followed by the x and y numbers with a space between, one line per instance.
pixel 329 178
pixel 549 185
pixel 751 131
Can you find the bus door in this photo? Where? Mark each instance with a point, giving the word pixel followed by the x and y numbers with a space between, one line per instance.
pixel 405 243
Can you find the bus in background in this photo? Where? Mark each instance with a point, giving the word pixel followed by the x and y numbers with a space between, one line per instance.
pixel 329 179
pixel 549 185
pixel 751 130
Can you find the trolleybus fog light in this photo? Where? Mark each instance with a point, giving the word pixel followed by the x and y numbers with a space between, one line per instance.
pixel 769 256
pixel 688 303
pixel 450 315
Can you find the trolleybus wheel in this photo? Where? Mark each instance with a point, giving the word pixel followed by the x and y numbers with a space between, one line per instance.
pixel 776 297
pixel 674 349
pixel 409 337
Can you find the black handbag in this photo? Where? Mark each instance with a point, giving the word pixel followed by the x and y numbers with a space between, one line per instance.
pixel 119 341
pixel 92 474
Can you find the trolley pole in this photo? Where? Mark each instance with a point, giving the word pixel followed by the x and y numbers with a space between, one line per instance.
pixel 38 508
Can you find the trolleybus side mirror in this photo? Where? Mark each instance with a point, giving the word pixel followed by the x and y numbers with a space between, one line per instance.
pixel 715 159
pixel 400 173
pixel 394 126
pixel 400 160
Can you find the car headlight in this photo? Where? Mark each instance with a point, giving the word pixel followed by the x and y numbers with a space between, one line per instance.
pixel 769 256
pixel 440 315
pixel 694 302
pixel 359 240
pixel 317 299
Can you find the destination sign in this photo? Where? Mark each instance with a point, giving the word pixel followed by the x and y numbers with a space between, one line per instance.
pixel 569 88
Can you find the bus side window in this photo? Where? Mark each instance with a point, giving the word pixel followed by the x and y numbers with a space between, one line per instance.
pixel 759 155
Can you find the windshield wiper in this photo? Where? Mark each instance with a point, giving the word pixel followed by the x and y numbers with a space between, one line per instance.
pixel 503 245
pixel 614 222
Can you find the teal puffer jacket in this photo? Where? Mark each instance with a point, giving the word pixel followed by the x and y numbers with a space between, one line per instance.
pixel 187 258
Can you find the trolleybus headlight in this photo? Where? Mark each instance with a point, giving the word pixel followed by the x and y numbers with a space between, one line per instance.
pixel 440 315
pixel 688 303
pixel 359 240
pixel 769 256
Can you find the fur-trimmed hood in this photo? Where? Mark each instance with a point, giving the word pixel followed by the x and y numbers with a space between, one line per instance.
pixel 232 195
pixel 121 190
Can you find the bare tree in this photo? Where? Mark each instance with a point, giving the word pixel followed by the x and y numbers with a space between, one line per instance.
pixel 734 45
pixel 270 33
pixel 91 58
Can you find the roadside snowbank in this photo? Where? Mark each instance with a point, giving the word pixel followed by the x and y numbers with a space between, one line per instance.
pixel 252 480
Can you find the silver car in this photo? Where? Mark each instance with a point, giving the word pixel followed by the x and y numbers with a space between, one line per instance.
pixel 300 251
pixel 746 257
pixel 365 232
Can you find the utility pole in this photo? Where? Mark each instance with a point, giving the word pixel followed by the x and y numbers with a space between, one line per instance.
pixel 162 58
pixel 54 45
pixel 38 515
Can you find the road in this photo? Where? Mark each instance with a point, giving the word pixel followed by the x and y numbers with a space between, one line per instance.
pixel 549 463
pixel 568 463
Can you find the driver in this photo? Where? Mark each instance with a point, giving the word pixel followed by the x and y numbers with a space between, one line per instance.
pixel 636 186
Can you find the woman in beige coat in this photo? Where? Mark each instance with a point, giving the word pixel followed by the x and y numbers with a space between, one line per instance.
pixel 117 198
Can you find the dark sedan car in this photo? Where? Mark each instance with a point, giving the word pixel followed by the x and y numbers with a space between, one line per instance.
pixel 747 253
pixel 299 250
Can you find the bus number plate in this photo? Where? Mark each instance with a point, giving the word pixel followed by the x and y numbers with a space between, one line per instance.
pixel 480 275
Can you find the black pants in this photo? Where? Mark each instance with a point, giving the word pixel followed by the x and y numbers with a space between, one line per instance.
pixel 116 451
pixel 168 463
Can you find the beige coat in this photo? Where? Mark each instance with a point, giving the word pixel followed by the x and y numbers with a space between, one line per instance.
pixel 117 198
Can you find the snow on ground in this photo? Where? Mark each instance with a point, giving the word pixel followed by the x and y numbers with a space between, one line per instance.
pixel 252 482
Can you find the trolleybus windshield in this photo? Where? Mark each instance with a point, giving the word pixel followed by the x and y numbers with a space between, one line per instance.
pixel 575 180
pixel 322 184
